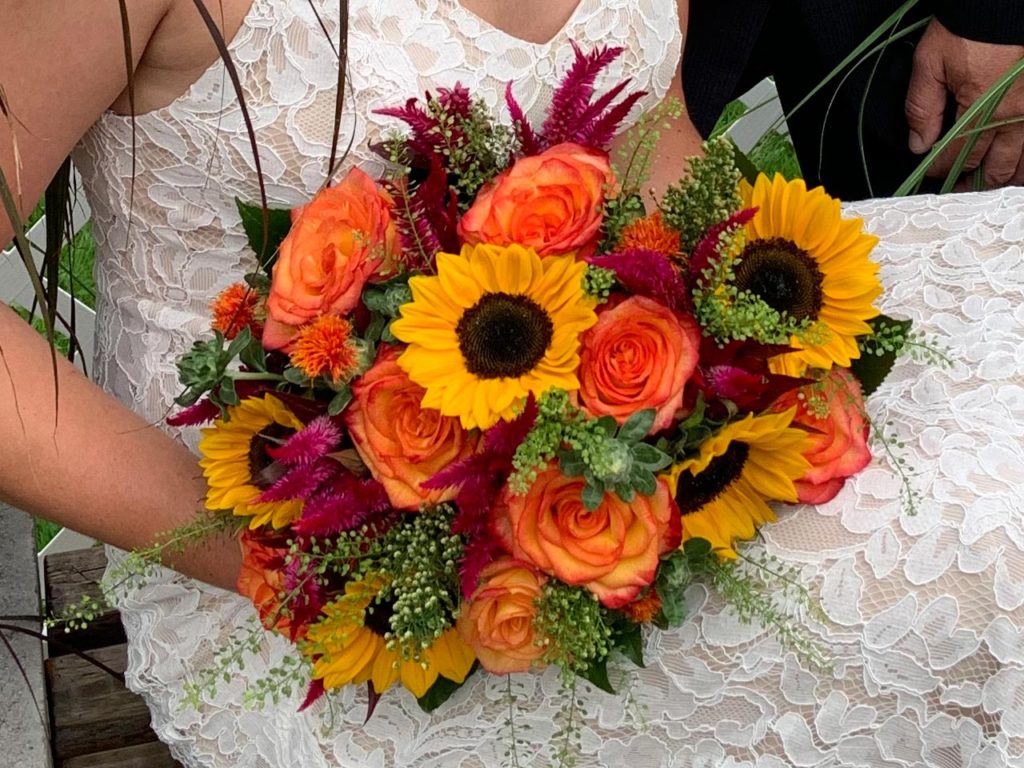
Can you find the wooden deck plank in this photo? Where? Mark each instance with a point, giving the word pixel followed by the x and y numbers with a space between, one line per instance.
pixel 92 711
pixel 69 576
pixel 152 755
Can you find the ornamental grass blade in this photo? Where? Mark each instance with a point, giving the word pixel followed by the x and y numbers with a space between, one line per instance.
pixel 853 56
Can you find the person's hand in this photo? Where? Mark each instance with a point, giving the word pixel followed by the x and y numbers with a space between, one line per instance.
pixel 947 64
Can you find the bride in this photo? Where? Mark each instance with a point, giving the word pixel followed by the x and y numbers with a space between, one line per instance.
pixel 929 654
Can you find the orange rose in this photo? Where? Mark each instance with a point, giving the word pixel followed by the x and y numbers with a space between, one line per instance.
pixel 639 355
pixel 612 551
pixel 261 579
pixel 335 244
pixel 401 442
pixel 552 202
pixel 497 622
pixel 838 440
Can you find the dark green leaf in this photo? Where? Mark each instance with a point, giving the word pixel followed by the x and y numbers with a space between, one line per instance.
pixel 571 463
pixel 625 492
pixel 650 457
pixel 340 402
pixel 226 392
pixel 258 281
pixel 871 370
pixel 279 222
pixel 240 342
pixel 643 481
pixel 387 336
pixel 696 549
pixel 593 495
pixel 629 639
pixel 744 164
pixel 375 329
pixel 438 693
pixel 637 426
pixel 254 356
pixel 597 674
pixel 295 376
pixel 608 424
pixel 671 583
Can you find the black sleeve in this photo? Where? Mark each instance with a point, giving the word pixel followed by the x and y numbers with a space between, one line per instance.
pixel 987 21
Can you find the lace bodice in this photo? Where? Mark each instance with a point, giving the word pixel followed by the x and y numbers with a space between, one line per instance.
pixel 925 613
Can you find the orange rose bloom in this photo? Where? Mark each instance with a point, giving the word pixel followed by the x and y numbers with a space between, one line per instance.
pixel 639 355
pixel 401 442
pixel 612 551
pixel 497 622
pixel 552 202
pixel 838 442
pixel 262 581
pixel 336 243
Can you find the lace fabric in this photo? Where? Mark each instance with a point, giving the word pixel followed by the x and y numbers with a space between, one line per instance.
pixel 925 613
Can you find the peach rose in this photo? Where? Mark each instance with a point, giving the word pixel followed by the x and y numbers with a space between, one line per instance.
pixel 261 579
pixel 639 355
pixel 838 440
pixel 401 442
pixel 552 202
pixel 497 621
pixel 612 551
pixel 336 243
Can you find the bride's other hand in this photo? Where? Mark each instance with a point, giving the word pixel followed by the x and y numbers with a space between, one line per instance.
pixel 679 139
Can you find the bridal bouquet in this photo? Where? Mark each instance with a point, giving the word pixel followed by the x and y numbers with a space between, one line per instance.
pixel 489 412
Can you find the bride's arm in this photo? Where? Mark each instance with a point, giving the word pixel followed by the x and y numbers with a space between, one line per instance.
pixel 680 138
pixel 81 460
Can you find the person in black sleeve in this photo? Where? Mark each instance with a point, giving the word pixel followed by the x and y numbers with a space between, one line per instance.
pixel 918 85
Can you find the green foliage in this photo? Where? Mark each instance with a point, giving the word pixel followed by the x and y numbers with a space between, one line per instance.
pixel 206 369
pixel 44 532
pixel 265 237
pixel 575 627
pixel 633 162
pixel 608 457
pixel 291 674
pixel 707 196
pixel 598 282
pixel 420 557
pixel 773 154
pixel 733 111
pixel 675 574
pixel 879 351
pixel 619 213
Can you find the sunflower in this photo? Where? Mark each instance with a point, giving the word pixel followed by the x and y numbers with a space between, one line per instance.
pixel 236 465
pixel 494 325
pixel 723 492
pixel 348 647
pixel 803 258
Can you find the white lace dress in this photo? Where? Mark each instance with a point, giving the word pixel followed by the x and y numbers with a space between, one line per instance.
pixel 926 613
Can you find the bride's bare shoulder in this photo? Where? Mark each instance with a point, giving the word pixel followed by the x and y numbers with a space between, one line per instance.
pixel 63 64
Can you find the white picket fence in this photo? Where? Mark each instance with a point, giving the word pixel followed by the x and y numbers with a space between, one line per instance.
pixel 16 287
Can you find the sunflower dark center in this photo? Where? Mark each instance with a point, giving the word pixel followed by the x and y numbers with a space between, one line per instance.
pixel 377 618
pixel 504 335
pixel 694 491
pixel 263 470
pixel 784 276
